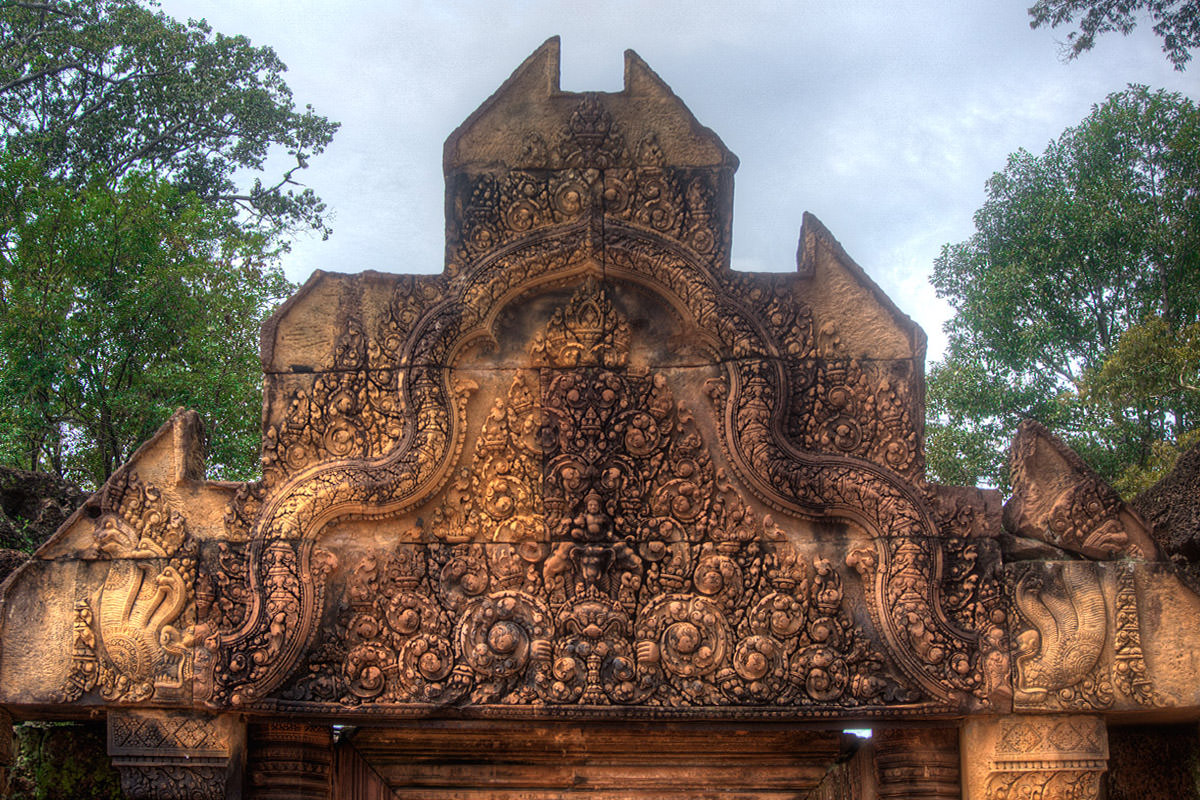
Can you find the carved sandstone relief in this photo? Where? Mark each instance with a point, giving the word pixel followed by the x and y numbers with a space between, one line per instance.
pixel 175 755
pixel 132 639
pixel 1078 637
pixel 555 508
pixel 592 554
pixel 518 491
pixel 1051 757
pixel 1059 500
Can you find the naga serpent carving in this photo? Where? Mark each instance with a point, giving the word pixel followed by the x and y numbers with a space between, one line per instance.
pixel 1070 625
pixel 138 643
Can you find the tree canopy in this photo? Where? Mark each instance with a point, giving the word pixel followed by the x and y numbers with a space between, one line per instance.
pixel 1076 300
pixel 1177 23
pixel 111 86
pixel 139 238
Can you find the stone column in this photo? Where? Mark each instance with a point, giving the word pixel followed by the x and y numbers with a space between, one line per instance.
pixel 289 761
pixel 1051 757
pixel 917 764
pixel 165 755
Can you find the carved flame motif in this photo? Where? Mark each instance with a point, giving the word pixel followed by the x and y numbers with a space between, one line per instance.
pixel 593 554
pixel 137 647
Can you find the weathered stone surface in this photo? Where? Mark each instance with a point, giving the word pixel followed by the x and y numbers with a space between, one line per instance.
pixel 539 761
pixel 589 470
pixel 1172 508
pixel 855 778
pixel 289 761
pixel 32 506
pixel 1153 762
pixel 1059 500
pixel 1050 757
pixel 105 611
pixel 917 764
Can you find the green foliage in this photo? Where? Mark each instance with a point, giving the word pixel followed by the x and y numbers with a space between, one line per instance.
pixel 1072 249
pixel 1157 368
pixel 92 87
pixel 118 304
pixel 139 244
pixel 1177 23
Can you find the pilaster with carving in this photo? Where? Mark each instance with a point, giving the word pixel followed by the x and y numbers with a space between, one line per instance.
pixel 917 764
pixel 170 755
pixel 1051 757
pixel 289 761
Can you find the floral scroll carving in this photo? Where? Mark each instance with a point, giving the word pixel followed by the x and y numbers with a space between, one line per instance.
pixel 596 556
pixel 565 554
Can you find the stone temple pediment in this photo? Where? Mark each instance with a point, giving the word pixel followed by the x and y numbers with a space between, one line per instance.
pixel 588 474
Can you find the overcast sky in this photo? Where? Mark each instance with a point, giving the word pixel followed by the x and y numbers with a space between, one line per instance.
pixel 882 118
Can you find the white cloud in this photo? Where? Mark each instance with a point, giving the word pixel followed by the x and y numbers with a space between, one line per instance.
pixel 882 118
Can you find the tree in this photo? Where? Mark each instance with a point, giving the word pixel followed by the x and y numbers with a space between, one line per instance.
pixel 137 259
pixel 118 304
pixel 111 86
pixel 1177 23
pixel 1074 250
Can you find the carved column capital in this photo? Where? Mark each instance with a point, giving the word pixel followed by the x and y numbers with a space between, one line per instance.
pixel 1052 757
pixel 170 755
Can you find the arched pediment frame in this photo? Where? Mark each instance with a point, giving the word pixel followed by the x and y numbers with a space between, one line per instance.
pixel 759 336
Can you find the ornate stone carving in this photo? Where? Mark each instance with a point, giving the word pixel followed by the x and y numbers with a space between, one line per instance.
pixel 596 556
pixel 176 756
pixel 592 473
pixel 1058 499
pixel 1054 757
pixel 852 441
pixel 1058 661
pixel 135 643
pixel 1078 637
pixel 1129 667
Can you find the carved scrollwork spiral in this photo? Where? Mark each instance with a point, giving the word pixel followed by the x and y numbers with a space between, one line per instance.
pixel 759 674
pixel 692 637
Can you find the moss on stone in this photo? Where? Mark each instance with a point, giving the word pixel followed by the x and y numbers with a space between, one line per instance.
pixel 63 761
